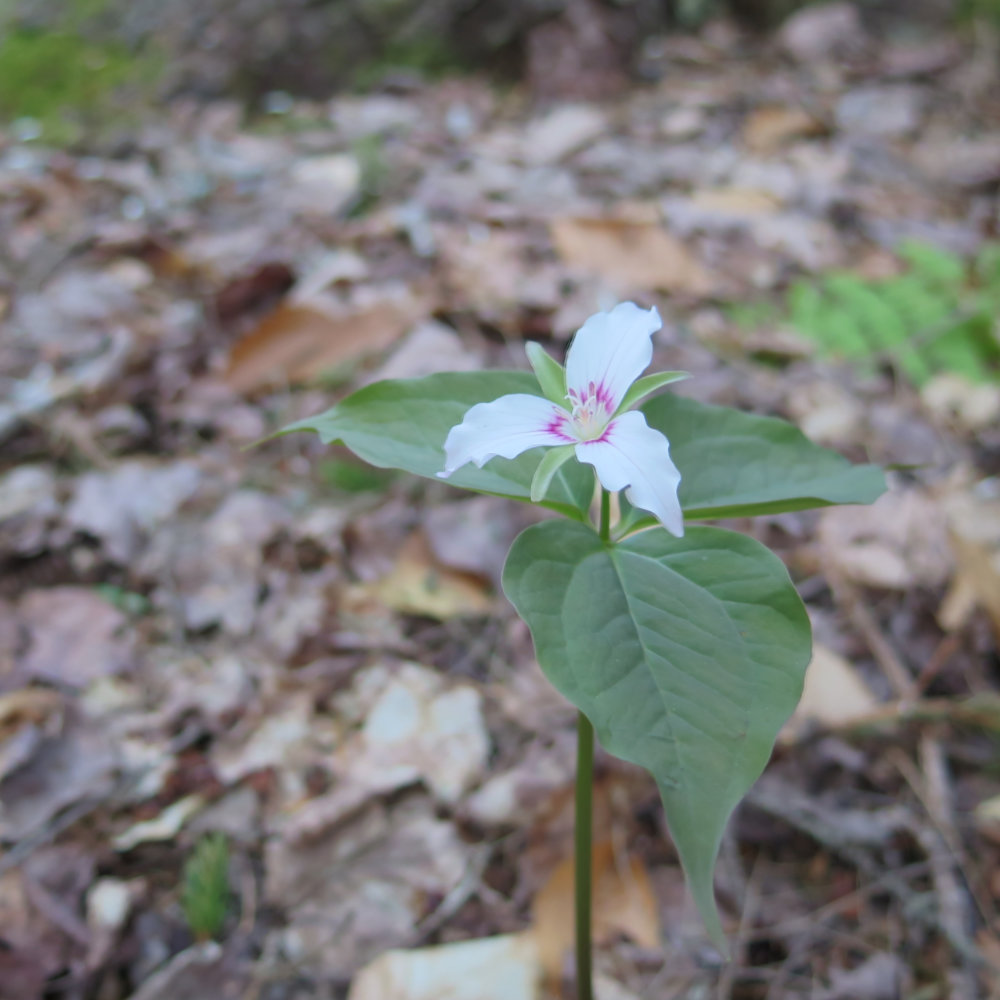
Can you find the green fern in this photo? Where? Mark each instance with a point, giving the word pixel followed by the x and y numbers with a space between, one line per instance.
pixel 938 316
pixel 205 892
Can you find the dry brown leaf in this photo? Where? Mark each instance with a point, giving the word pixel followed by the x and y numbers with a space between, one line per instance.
pixel 419 585
pixel 301 340
pixel 769 128
pixel 623 904
pixel 834 694
pixel 631 253
pixel 974 529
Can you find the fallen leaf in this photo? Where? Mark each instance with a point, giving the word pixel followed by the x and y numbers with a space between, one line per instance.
pixel 769 128
pixel 474 535
pixel 417 728
pixel 562 131
pixel 356 890
pixel 496 968
pixel 165 826
pixel 987 817
pixel 629 254
pixel 623 904
pixel 736 202
pixel 974 530
pixel 490 270
pixel 823 31
pixel 76 636
pixel 898 542
pixel 77 763
pixel 27 717
pixel 429 348
pixel 826 413
pixel 203 970
pixel 970 406
pixel 419 585
pixel 303 339
pixel 279 737
pixel 323 185
pixel 834 695
pixel 28 507
pixel 124 505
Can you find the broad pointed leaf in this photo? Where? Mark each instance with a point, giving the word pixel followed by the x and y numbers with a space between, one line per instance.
pixel 736 464
pixel 402 424
pixel 687 655
pixel 731 463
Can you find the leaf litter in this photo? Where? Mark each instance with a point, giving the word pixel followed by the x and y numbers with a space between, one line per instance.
pixel 194 637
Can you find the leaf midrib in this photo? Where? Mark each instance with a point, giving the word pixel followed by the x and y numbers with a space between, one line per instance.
pixel 669 713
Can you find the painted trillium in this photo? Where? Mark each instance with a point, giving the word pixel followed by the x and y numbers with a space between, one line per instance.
pixel 585 412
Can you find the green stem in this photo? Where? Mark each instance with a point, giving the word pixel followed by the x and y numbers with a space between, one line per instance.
pixel 582 853
pixel 583 836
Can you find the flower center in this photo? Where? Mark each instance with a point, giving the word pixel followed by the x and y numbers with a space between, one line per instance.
pixel 591 411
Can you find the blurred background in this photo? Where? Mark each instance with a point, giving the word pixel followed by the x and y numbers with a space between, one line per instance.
pixel 265 714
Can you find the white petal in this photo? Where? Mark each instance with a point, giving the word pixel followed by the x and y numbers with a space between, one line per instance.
pixel 505 427
pixel 612 349
pixel 630 453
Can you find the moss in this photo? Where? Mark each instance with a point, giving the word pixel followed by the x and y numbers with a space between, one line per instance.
pixel 68 84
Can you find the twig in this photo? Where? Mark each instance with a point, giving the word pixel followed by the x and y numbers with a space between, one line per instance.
pixel 864 621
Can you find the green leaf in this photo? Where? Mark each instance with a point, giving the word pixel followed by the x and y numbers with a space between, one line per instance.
pixel 551 463
pixel 687 655
pixel 736 464
pixel 550 374
pixel 402 424
pixel 644 386
pixel 205 891
pixel 732 463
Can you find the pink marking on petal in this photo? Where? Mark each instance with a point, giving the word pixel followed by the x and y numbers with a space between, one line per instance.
pixel 607 435
pixel 557 426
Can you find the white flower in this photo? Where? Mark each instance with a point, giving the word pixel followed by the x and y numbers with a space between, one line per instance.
pixel 609 352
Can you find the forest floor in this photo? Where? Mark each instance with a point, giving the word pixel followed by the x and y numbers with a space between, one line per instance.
pixel 314 659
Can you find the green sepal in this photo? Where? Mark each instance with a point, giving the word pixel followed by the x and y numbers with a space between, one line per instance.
pixel 547 468
pixel 644 386
pixel 550 374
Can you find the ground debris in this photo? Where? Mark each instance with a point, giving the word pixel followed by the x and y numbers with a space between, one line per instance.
pixel 314 658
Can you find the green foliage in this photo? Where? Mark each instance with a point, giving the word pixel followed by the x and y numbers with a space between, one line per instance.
pixel 733 464
pixel 375 173
pixel 985 9
pixel 353 477
pixel 133 604
pixel 64 78
pixel 937 316
pixel 205 890
pixel 429 55
pixel 687 655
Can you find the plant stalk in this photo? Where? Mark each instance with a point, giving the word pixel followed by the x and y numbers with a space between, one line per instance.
pixel 582 854
pixel 583 834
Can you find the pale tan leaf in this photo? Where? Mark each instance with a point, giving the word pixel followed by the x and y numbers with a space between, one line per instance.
pixel 629 254
pixel 496 968
pixel 834 694
pixel 419 585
